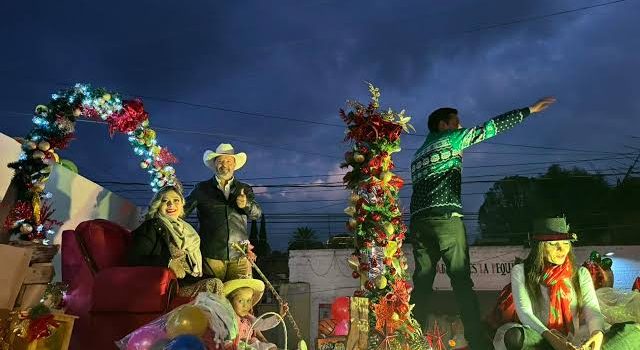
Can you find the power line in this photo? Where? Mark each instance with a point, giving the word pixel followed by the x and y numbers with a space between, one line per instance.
pixel 408 183
pixel 191 183
pixel 539 17
pixel 242 140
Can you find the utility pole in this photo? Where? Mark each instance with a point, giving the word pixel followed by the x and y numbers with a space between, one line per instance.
pixel 626 176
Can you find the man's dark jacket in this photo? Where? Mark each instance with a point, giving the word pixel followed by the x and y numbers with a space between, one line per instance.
pixel 221 221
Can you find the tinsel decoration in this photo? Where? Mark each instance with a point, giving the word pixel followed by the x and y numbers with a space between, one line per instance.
pixel 54 295
pixel 376 222
pixel 53 129
pixel 127 119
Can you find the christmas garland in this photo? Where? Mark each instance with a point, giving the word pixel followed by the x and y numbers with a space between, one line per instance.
pixel 376 222
pixel 54 128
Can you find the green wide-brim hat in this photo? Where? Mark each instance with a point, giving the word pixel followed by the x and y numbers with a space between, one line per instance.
pixel 553 229
pixel 255 284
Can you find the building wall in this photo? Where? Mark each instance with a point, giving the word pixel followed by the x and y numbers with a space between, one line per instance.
pixel 329 276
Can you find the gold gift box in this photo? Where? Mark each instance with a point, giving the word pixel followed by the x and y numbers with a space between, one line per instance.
pixel 58 340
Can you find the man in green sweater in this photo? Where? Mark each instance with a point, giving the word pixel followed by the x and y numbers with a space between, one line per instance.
pixel 436 229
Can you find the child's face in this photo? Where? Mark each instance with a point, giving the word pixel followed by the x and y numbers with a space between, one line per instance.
pixel 242 301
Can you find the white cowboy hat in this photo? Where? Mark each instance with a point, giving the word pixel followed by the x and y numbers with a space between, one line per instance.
pixel 233 285
pixel 224 149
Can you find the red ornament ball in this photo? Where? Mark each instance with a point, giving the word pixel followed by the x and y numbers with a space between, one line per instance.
pixel 369 285
pixel 355 274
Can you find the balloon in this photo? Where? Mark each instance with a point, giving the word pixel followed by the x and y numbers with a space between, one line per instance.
pixel 186 342
pixel 340 309
pixel 342 328
pixel 595 256
pixel 187 320
pixel 606 263
pixel 144 338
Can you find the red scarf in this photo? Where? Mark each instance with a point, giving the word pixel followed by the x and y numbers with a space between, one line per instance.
pixel 558 279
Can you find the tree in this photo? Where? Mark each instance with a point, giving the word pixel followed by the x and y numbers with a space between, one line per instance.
pixel 508 208
pixel 253 236
pixel 263 249
pixel 625 211
pixel 513 203
pixel 304 238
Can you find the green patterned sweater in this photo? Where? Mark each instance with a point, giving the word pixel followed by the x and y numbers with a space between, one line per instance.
pixel 436 168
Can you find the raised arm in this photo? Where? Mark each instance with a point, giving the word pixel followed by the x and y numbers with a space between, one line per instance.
pixel 464 138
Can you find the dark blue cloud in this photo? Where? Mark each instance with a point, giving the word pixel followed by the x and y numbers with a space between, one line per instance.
pixel 305 61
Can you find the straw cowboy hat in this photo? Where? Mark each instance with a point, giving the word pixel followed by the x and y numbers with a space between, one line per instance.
pixel 552 229
pixel 233 285
pixel 224 149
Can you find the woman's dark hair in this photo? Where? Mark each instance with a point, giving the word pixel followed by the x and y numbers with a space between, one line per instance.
pixel 534 273
pixel 440 114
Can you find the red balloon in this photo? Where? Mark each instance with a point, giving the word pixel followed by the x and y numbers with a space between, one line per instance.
pixel 340 309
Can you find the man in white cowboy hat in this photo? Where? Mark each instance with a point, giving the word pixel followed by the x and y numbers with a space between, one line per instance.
pixel 223 205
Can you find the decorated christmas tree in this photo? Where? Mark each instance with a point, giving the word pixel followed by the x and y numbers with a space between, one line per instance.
pixel 376 223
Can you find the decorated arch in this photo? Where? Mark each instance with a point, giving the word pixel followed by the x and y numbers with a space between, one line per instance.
pixel 53 129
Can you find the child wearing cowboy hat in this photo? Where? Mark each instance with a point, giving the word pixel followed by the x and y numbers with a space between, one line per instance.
pixel 244 294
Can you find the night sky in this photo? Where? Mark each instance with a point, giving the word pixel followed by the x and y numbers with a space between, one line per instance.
pixel 270 76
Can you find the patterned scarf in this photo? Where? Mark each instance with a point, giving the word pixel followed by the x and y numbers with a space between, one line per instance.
pixel 185 238
pixel 558 279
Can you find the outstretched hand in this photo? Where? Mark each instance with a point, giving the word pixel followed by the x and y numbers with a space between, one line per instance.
pixel 542 104
pixel 241 200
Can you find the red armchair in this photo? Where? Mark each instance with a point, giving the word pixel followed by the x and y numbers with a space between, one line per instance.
pixel 111 298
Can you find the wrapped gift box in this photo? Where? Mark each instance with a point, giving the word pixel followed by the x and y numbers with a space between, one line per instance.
pixel 58 340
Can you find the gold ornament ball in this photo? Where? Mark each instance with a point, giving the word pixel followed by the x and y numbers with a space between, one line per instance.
pixel 353 198
pixel 350 210
pixel 44 146
pixel 26 228
pixel 38 155
pixel 353 223
pixel 395 317
pixel 359 158
pixel 30 145
pixel 77 112
pixel 106 97
pixel 389 228
pixel 386 176
pixel 144 165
